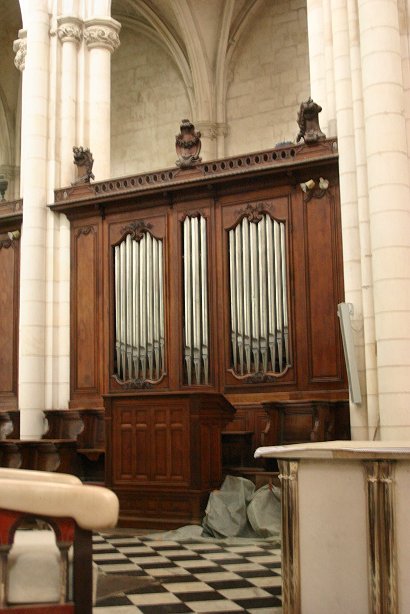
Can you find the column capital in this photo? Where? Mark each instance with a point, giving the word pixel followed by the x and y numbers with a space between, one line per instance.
pixel 102 33
pixel 69 29
pixel 212 130
pixel 20 49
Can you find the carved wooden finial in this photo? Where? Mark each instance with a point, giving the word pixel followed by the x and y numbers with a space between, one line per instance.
pixel 308 121
pixel 188 145
pixel 83 159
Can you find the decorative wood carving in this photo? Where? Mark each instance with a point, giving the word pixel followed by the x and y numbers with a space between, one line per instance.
pixel 218 169
pixel 84 230
pixel 133 384
pixel 83 159
pixel 188 145
pixel 299 421
pixel 11 210
pixel 41 455
pixel 136 230
pixel 253 212
pixel 308 121
pixel 9 424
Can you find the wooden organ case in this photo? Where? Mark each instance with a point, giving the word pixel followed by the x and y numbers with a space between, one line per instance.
pixel 197 292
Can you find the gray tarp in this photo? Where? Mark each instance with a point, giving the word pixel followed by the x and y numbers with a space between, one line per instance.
pixel 234 513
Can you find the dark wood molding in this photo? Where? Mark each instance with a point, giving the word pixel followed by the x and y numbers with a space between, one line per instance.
pixel 11 211
pixel 208 173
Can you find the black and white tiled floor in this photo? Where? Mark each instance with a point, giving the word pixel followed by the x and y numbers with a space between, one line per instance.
pixel 175 577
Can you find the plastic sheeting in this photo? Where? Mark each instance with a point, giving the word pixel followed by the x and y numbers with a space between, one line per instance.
pixel 237 510
pixel 235 513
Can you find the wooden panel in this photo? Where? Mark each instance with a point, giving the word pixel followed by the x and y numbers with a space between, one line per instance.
pixel 85 320
pixel 322 290
pixel 151 443
pixel 9 310
pixel 164 454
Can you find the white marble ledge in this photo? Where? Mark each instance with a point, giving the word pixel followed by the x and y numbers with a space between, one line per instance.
pixel 354 450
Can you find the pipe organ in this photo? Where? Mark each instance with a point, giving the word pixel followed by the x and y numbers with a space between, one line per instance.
pixel 197 292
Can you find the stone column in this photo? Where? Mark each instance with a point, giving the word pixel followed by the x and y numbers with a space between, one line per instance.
pixel 329 74
pixel 317 63
pixel 364 224
pixel 34 133
pixel 69 32
pixel 348 199
pixel 389 197
pixel 212 139
pixel 101 37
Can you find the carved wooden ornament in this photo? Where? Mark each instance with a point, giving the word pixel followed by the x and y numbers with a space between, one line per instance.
pixel 188 145
pixel 83 159
pixel 308 121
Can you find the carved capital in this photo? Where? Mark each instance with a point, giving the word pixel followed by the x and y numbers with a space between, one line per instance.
pixel 20 49
pixel 102 33
pixel 211 130
pixel 69 30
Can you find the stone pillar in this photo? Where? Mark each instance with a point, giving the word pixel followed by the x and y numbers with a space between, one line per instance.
pixel 101 37
pixel 389 197
pixel 329 75
pixel 212 139
pixel 317 58
pixel 348 198
pixel 371 389
pixel 69 32
pixel 34 132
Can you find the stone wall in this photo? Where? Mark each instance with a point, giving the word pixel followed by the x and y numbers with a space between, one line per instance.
pixel 148 102
pixel 270 77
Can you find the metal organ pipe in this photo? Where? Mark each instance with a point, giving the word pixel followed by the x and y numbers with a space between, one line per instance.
pixel 196 343
pixel 139 308
pixel 258 292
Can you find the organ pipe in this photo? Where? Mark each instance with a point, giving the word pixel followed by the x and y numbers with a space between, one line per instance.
pixel 258 293
pixel 139 308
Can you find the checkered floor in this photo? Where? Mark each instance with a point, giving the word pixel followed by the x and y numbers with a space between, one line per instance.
pixel 174 577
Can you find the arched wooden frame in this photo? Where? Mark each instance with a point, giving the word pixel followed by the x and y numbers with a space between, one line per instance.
pixel 259 295
pixel 139 312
